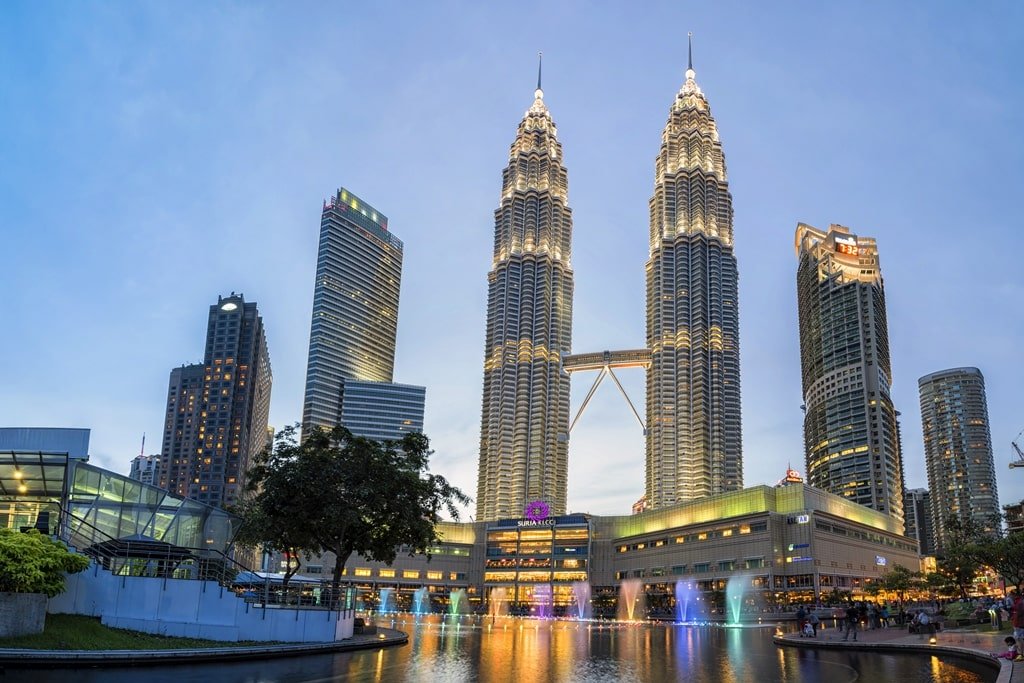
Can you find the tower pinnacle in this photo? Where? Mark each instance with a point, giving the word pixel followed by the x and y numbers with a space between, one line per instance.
pixel 539 93
pixel 689 50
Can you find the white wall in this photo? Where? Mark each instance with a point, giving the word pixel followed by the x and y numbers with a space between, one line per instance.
pixel 196 609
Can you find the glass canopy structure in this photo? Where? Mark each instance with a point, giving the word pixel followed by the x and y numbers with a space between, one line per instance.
pixel 85 505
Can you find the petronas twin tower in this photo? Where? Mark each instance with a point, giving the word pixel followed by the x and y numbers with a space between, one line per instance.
pixel 693 390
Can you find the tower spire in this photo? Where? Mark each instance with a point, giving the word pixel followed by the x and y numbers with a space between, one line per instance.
pixel 540 63
pixel 689 49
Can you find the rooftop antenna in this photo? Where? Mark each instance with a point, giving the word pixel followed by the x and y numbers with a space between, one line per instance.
pixel 142 450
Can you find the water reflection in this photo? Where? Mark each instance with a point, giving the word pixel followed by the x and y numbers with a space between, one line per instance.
pixel 464 649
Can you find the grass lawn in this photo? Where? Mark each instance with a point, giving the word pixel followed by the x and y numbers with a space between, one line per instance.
pixel 76 632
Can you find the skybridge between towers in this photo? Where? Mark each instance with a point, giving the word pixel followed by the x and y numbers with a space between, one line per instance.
pixel 605 362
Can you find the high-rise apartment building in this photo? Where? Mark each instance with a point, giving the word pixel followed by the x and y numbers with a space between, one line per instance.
pixel 694 440
pixel 383 411
pixel 525 415
pixel 851 436
pixel 917 511
pixel 958 449
pixel 146 468
pixel 355 306
pixel 217 412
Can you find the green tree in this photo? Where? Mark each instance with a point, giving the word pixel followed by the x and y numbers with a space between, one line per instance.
pixel 338 493
pixel 1005 556
pixel 899 580
pixel 959 559
pixel 34 563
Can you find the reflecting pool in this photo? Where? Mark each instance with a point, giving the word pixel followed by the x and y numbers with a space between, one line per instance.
pixel 460 649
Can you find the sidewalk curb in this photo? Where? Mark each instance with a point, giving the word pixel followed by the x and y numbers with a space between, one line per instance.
pixel 1005 667
pixel 13 658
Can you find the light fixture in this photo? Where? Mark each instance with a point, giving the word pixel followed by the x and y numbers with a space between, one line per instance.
pixel 22 488
pixel 229 306
pixel 931 641
pixel 18 474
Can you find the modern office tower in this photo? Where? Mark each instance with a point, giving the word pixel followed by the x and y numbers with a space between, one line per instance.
pixel 383 411
pixel 146 468
pixel 525 416
pixel 217 412
pixel 958 449
pixel 694 441
pixel 851 435
pixel 918 519
pixel 355 306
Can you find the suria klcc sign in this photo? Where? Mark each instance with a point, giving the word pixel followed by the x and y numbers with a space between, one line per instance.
pixel 536 512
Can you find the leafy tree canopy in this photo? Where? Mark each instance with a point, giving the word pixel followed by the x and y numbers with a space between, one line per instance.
pixel 33 563
pixel 338 493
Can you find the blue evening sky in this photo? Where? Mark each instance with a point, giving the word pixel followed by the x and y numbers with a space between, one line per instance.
pixel 156 154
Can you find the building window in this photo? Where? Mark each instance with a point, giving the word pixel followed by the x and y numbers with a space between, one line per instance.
pixel 387 573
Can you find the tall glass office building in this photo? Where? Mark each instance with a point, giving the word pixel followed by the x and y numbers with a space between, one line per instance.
pixel 383 411
pixel 355 306
pixel 694 440
pixel 851 435
pixel 958 450
pixel 525 415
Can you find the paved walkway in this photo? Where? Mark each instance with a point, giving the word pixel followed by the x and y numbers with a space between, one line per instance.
pixel 963 643
pixel 16 658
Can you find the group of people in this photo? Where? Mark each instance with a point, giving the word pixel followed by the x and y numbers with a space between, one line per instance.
pixel 1015 605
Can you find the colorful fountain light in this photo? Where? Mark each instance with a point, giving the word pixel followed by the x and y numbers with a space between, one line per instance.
pixel 456 601
pixel 734 591
pixel 686 601
pixel 497 602
pixel 632 600
pixel 581 596
pixel 420 601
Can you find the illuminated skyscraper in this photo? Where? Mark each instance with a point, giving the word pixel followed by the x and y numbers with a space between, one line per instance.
pixel 217 412
pixel 525 415
pixel 851 434
pixel 694 441
pixel 355 306
pixel 958 449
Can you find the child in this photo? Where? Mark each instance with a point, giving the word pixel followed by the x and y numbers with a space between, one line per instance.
pixel 1011 649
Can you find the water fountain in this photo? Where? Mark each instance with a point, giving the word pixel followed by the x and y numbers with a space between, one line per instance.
pixel 581 596
pixel 686 601
pixel 543 603
pixel 497 602
pixel 456 601
pixel 420 601
pixel 386 603
pixel 632 600
pixel 734 591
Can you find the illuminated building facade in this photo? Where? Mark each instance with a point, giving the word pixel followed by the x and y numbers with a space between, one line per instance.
pixel 525 413
pixel 851 435
pixel 217 412
pixel 790 543
pixel 694 441
pixel 958 449
pixel 355 306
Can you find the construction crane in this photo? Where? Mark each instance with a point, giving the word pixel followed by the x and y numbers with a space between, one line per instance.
pixel 1019 462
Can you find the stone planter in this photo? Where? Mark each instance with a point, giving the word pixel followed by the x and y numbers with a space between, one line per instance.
pixel 22 614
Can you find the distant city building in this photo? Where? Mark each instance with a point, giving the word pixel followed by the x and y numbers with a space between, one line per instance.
pixel 525 415
pixel 851 434
pixel 355 306
pixel 1014 514
pixel 640 505
pixel 146 468
pixel 217 412
pixel 917 513
pixel 381 410
pixel 958 449
pixel 694 439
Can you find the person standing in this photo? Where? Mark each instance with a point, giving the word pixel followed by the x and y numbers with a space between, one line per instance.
pixel 1018 616
pixel 852 617
pixel 814 621
pixel 801 615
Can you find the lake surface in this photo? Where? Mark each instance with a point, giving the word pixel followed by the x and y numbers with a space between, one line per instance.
pixel 534 651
